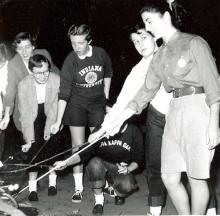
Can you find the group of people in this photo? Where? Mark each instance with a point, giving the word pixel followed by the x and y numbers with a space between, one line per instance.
pixel 178 82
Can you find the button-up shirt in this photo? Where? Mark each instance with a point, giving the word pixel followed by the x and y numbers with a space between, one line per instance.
pixel 186 60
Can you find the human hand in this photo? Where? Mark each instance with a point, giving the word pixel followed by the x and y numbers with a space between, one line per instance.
pixel 60 165
pixel 47 137
pixel 122 168
pixel 213 137
pixel 55 128
pixel 26 147
pixel 4 122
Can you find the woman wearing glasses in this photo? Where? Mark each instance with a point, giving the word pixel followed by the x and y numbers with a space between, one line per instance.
pixel 85 83
pixel 37 105
pixel 25 47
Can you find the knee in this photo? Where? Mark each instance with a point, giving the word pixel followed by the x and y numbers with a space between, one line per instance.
pixel 94 165
pixel 124 185
pixel 170 180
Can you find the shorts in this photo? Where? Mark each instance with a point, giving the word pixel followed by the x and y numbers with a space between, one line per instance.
pixel 82 112
pixel 184 145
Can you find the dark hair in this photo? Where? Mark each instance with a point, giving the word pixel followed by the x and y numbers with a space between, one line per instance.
pixel 82 29
pixel 161 6
pixel 23 36
pixel 136 28
pixel 4 53
pixel 37 60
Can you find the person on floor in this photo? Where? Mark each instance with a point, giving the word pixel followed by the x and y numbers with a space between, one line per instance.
pixel 113 159
pixel 85 84
pixel 37 105
pixel 185 66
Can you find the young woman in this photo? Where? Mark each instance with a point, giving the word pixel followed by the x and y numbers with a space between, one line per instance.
pixel 185 66
pixel 85 84
pixel 37 105
pixel 145 45
pixel 25 47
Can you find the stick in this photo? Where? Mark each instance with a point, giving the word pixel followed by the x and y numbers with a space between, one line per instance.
pixel 72 156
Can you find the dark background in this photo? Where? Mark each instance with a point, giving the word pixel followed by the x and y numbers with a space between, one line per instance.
pixel 49 20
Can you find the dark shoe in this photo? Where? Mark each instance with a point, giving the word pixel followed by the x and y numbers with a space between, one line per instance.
pixel 52 191
pixel 119 200
pixel 77 197
pixel 110 191
pixel 33 196
pixel 97 210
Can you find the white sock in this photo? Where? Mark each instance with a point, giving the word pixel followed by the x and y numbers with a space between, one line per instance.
pixel 99 199
pixel 155 210
pixel 32 185
pixel 211 211
pixel 78 177
pixel 52 180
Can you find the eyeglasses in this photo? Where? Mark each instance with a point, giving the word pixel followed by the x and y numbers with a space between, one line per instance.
pixel 39 74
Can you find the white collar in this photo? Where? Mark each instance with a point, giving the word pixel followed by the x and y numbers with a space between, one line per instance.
pixel 88 54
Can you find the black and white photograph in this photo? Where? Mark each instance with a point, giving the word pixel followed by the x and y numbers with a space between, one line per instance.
pixel 109 107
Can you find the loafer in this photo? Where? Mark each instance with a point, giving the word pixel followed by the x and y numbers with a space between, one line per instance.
pixel 119 200
pixel 97 210
pixel 33 196
pixel 52 191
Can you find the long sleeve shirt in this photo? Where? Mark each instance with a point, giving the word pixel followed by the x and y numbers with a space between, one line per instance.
pixel 185 60
pixel 85 77
pixel 134 81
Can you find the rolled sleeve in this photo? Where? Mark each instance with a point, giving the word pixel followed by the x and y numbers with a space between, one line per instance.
pixel 207 69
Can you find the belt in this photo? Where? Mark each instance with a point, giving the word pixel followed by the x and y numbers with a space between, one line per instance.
pixel 189 90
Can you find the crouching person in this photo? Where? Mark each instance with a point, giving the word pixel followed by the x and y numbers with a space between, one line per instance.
pixel 112 159
pixel 37 104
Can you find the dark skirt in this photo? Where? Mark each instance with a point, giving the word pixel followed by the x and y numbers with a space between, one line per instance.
pixel 51 148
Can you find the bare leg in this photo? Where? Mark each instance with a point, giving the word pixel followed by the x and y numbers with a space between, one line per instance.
pixel 77 138
pixel 199 195
pixel 177 192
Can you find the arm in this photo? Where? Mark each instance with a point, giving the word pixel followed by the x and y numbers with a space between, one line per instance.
pixel 65 92
pixel 136 151
pixel 107 84
pixel 209 79
pixel 25 110
pixel 9 97
pixel 61 108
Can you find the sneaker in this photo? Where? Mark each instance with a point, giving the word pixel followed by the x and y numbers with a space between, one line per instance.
pixel 52 191
pixel 97 210
pixel 33 196
pixel 77 197
pixel 110 191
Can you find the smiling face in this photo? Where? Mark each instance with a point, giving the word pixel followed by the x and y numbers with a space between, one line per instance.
pixel 143 42
pixel 155 23
pixel 41 74
pixel 25 49
pixel 80 44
